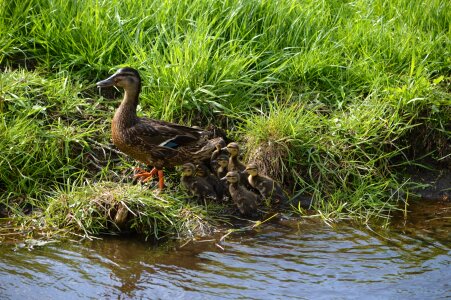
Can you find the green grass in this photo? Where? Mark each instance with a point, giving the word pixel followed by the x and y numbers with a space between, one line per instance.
pixel 342 94
pixel 91 210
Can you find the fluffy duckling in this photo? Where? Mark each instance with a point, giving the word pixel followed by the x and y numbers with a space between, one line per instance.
pixel 220 169
pixel 236 165
pixel 196 186
pixel 268 188
pixel 245 200
pixel 220 150
pixel 222 163
pixel 202 171
pixel 234 162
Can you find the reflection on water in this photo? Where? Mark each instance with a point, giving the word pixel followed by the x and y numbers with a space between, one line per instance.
pixel 307 260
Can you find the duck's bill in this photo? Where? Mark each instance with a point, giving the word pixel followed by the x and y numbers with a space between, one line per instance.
pixel 107 82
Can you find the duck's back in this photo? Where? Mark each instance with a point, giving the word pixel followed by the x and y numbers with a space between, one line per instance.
pixel 268 188
pixel 245 200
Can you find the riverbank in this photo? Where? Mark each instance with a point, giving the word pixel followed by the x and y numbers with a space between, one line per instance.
pixel 335 100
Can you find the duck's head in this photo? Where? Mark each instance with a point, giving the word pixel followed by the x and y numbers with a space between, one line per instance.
pixel 252 169
pixel 188 169
pixel 223 160
pixel 233 148
pixel 125 78
pixel 201 170
pixel 232 177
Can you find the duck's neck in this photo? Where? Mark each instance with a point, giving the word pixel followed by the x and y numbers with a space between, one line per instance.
pixel 126 113
pixel 234 184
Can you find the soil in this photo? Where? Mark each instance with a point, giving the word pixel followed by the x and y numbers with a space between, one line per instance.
pixel 437 184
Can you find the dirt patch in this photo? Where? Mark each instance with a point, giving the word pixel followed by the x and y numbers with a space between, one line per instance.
pixel 437 184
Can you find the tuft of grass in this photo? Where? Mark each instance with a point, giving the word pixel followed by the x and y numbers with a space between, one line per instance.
pixel 345 159
pixel 94 209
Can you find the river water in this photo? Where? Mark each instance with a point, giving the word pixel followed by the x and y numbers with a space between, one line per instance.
pixel 280 260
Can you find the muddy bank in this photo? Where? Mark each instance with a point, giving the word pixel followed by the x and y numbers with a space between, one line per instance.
pixel 436 184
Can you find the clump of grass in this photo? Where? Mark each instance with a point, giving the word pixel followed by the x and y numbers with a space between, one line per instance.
pixel 344 159
pixel 94 209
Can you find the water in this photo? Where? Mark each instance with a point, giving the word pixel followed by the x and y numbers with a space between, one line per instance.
pixel 284 260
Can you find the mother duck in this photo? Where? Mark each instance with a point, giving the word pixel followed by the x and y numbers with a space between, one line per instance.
pixel 155 143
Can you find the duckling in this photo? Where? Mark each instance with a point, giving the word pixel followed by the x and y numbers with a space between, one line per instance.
pixel 222 164
pixel 268 188
pixel 220 150
pixel 196 186
pixel 236 165
pixel 155 143
pixel 220 168
pixel 234 162
pixel 203 172
pixel 245 200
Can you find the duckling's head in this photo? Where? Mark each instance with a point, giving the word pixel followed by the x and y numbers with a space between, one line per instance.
pixel 188 169
pixel 233 148
pixel 252 169
pixel 126 78
pixel 232 176
pixel 223 160
pixel 201 170
pixel 221 144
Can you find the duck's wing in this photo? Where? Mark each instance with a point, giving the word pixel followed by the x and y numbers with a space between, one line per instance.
pixel 152 132
pixel 171 130
pixel 162 153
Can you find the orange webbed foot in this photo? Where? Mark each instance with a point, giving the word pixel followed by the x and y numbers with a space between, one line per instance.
pixel 143 175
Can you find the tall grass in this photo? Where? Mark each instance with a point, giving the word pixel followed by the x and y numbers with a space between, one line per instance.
pixel 343 92
pixel 37 143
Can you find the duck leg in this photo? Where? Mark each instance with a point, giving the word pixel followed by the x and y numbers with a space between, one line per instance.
pixel 160 179
pixel 145 176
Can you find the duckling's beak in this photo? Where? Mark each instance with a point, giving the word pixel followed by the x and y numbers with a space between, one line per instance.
pixel 107 82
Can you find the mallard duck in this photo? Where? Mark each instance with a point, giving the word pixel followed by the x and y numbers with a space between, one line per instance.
pixel 220 150
pixel 234 162
pixel 195 185
pixel 220 169
pixel 221 165
pixel 203 171
pixel 155 143
pixel 245 200
pixel 267 187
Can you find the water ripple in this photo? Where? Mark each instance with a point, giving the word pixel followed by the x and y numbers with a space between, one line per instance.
pixel 276 262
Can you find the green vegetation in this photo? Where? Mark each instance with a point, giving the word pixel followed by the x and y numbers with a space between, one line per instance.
pixel 333 97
